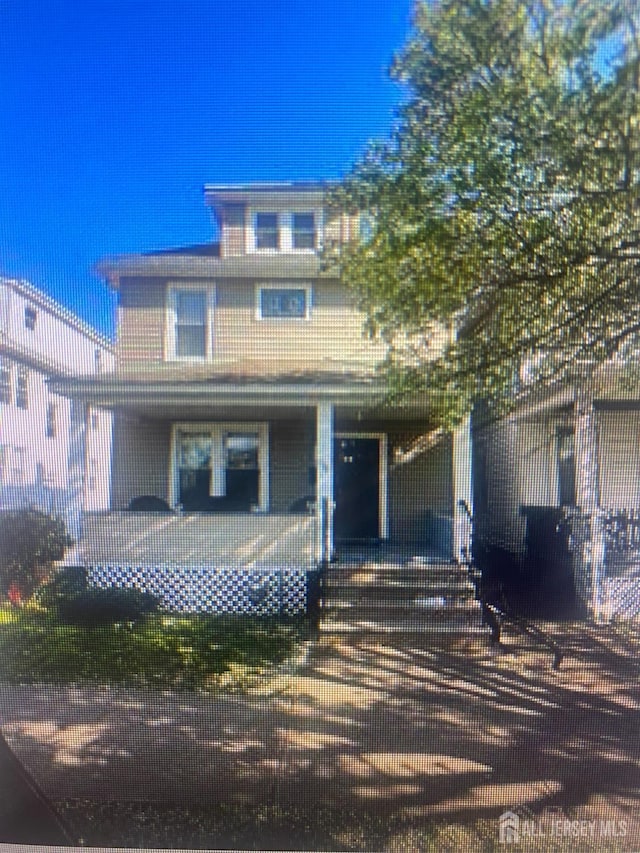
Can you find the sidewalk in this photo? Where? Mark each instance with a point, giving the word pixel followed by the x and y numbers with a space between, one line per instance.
pixel 406 732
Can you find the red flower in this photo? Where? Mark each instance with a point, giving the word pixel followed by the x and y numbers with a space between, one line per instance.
pixel 14 594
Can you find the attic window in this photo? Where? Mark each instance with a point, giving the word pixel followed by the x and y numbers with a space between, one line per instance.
pixel 267 231
pixel 30 317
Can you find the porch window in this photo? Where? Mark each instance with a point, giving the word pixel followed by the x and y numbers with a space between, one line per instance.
pixel 190 323
pixel 242 469
pixel 221 467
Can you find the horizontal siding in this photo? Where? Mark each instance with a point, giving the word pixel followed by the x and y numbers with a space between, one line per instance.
pixel 421 496
pixel 334 330
pixel 141 320
pixel 140 460
pixel 332 336
pixel 291 457
pixel 619 446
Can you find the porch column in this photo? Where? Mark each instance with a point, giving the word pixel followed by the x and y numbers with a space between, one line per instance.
pixel 591 562
pixel 462 490
pixel 76 472
pixel 324 481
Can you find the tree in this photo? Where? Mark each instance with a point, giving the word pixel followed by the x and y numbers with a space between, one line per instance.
pixel 504 206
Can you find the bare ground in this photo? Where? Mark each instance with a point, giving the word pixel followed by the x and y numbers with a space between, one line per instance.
pixel 368 746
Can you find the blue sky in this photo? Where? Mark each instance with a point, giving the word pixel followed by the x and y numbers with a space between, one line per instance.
pixel 116 112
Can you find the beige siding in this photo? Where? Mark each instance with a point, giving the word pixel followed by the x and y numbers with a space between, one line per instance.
pixel 233 231
pixel 140 460
pixel 141 317
pixel 421 498
pixel 291 458
pixel 333 334
pixel 334 330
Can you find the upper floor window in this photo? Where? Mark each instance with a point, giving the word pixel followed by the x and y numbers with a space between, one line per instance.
pixel 303 231
pixel 97 358
pixel 283 302
pixel 22 388
pixel 267 231
pixel 30 317
pixel 5 382
pixel 285 231
pixel 190 323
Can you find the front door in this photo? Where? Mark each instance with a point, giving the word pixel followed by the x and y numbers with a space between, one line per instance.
pixel 356 488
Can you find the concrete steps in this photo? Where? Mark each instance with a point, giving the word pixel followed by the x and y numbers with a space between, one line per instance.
pixel 434 602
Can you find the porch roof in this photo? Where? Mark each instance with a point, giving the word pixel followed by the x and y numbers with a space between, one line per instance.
pixel 173 387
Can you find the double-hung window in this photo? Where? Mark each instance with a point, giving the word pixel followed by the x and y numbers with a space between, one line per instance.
pixel 190 323
pixel 303 231
pixel 267 230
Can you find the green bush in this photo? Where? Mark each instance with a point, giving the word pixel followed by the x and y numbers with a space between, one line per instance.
pixel 30 541
pixel 95 606
pixel 67 583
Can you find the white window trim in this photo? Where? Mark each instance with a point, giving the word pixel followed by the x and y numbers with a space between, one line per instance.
pixel 274 285
pixel 383 475
pixel 217 430
pixel 285 230
pixel 170 320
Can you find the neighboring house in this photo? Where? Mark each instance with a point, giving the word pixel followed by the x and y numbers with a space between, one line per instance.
pixel 245 389
pixel 557 486
pixel 38 338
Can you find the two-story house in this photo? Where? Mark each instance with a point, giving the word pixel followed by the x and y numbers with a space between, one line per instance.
pixel 245 390
pixel 40 338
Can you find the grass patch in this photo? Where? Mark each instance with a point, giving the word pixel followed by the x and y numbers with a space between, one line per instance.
pixel 163 651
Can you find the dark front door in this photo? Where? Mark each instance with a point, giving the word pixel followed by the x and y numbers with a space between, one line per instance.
pixel 356 488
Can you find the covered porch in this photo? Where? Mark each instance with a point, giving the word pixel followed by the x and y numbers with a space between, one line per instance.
pixel 299 469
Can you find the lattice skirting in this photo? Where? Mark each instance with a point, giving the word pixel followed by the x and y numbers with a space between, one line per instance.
pixel 622 597
pixel 203 589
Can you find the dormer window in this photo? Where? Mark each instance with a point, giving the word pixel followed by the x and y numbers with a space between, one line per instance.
pixel 267 231
pixel 303 231
pixel 286 231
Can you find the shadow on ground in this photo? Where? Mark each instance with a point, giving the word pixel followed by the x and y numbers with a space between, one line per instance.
pixel 392 733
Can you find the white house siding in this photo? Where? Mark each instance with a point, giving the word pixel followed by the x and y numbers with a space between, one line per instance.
pixel 33 465
pixel 619 450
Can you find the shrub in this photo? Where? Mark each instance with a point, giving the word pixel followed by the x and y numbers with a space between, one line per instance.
pixel 67 583
pixel 96 606
pixel 30 541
